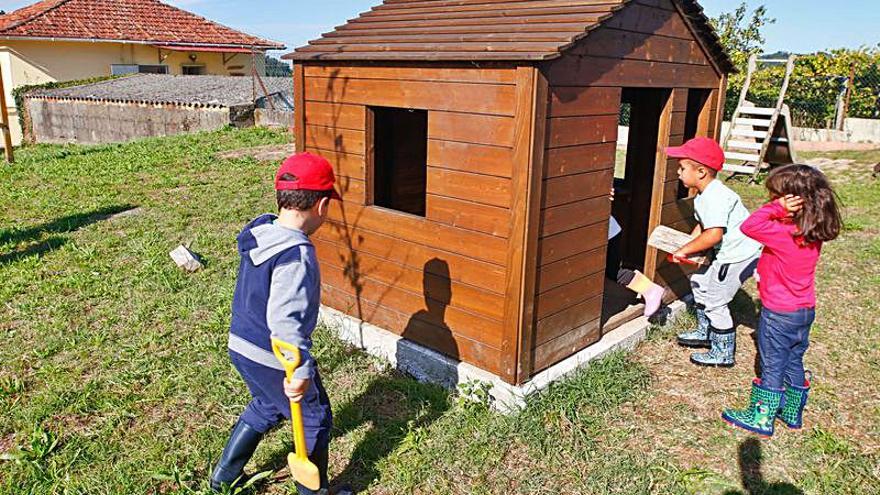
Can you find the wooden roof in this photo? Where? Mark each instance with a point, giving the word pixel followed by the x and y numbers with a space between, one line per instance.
pixel 481 30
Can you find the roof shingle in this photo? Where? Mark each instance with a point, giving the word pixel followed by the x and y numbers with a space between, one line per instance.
pixel 148 21
pixel 465 30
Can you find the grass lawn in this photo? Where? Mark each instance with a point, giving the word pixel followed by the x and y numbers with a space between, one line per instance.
pixel 115 378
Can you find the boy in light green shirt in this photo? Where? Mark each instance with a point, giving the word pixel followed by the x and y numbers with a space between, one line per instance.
pixel 719 212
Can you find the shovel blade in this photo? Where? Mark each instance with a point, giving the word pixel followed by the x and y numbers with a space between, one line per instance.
pixel 304 472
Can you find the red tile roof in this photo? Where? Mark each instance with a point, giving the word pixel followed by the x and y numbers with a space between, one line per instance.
pixel 149 21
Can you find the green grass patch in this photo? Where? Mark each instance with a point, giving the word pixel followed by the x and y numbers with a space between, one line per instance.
pixel 115 377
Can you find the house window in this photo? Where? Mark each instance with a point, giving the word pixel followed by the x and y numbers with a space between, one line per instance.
pixel 399 159
pixel 193 70
pixel 123 69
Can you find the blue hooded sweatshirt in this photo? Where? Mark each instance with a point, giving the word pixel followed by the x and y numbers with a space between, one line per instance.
pixel 277 294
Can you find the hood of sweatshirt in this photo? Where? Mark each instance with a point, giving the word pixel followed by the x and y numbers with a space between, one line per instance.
pixel 262 239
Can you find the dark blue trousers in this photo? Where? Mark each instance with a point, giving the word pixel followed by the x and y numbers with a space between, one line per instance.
pixel 269 406
pixel 783 339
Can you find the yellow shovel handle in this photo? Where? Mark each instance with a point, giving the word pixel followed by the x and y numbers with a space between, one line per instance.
pixel 296 421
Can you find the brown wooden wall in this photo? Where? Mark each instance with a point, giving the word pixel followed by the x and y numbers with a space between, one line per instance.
pixel 441 280
pixel 645 45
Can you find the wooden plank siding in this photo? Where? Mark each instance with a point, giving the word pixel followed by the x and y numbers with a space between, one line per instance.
pixel 442 279
pixel 646 44
pixel 579 166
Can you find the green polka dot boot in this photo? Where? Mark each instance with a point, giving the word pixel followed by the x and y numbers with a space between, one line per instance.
pixel 761 414
pixel 792 412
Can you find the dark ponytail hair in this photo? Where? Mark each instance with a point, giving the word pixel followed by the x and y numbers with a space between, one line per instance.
pixel 820 219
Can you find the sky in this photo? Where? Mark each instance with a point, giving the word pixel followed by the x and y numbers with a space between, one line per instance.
pixel 802 26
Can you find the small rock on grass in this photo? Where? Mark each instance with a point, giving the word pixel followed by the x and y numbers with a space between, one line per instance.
pixel 186 259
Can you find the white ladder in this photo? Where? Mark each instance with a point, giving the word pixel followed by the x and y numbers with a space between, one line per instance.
pixel 751 127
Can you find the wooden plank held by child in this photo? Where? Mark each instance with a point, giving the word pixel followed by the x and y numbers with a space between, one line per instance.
pixel 671 240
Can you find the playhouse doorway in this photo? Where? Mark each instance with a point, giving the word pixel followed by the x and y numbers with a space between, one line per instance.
pixel 636 199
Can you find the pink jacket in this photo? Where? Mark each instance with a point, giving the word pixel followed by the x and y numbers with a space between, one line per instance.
pixel 787 269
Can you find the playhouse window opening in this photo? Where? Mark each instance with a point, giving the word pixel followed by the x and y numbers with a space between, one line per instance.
pixel 620 156
pixel 695 124
pixel 400 158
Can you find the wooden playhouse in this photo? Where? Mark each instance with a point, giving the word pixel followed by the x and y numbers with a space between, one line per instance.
pixel 475 146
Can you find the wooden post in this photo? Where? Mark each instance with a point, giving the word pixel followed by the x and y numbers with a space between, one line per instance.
pixel 4 121
pixel 719 111
pixel 660 169
pixel 299 108
pixel 532 93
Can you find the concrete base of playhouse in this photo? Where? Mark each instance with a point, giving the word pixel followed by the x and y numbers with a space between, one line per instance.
pixel 427 365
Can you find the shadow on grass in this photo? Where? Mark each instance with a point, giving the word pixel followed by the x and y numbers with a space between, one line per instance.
pixel 745 310
pixel 69 223
pixel 750 459
pixel 391 407
pixel 38 249
pixel 62 225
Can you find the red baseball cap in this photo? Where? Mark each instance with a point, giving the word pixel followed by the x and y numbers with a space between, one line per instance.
pixel 312 172
pixel 700 149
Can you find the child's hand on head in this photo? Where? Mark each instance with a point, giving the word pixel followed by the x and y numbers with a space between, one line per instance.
pixel 791 203
pixel 295 389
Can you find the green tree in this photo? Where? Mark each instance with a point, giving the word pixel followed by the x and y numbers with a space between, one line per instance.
pixel 817 79
pixel 741 32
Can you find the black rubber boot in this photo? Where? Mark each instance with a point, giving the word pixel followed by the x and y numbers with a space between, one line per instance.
pixel 342 490
pixel 239 448
pixel 320 457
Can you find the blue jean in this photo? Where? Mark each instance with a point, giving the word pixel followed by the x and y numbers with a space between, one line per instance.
pixel 783 339
pixel 269 406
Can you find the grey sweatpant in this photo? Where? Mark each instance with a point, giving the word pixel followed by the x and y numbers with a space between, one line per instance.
pixel 715 285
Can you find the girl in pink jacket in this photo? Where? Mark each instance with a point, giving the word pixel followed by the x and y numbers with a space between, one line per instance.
pixel 802 214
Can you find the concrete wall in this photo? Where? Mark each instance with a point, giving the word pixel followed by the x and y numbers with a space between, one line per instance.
pixel 855 131
pixel 265 117
pixel 86 122
pixel 36 62
pixel 862 130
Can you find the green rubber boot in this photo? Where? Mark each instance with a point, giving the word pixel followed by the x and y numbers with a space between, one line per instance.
pixel 792 412
pixel 760 415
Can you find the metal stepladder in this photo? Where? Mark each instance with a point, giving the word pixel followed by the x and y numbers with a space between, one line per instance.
pixel 759 136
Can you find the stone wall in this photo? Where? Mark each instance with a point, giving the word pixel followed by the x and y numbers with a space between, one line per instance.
pixel 92 122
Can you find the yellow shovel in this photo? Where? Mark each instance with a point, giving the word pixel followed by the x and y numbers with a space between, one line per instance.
pixel 302 469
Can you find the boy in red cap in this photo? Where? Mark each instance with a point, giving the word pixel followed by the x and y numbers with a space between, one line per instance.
pixel 719 212
pixel 277 294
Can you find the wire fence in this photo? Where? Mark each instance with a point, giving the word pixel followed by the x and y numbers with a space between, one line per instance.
pixel 816 100
pixel 272 91
pixel 818 97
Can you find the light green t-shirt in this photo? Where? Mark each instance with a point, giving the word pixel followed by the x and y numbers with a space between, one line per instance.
pixel 719 206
